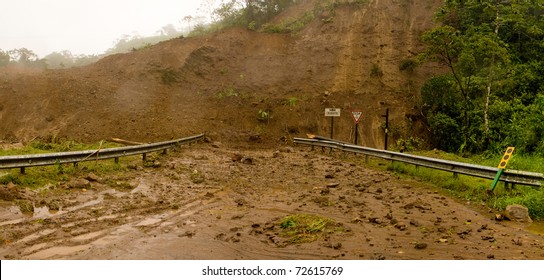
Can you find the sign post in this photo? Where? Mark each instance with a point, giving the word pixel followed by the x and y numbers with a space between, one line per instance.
pixel 356 115
pixel 332 112
pixel 386 116
pixel 502 165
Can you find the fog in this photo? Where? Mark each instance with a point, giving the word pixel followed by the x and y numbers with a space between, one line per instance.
pixel 91 27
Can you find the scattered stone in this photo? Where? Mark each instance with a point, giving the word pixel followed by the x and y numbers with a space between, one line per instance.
pixel 209 195
pixel 240 201
pixel 463 233
pixel 237 157
pixel 488 238
pixel 79 184
pixel 420 246
pixel 360 187
pixel 217 145
pixel 188 233
pixel 517 242
pixel 9 192
pixel 197 177
pixel 401 226
pixel 491 256
pixel 254 138
pixel 202 157
pixel 91 177
pixel 247 160
pixel 276 154
pixel 287 150
pixel 329 176
pixel 332 185
pixel 414 223
pixel 517 213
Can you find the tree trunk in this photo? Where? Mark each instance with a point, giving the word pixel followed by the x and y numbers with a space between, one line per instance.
pixel 490 77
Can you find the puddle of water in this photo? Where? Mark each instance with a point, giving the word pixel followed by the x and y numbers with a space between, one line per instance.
pixel 10 214
pixel 142 187
pixel 86 204
pixel 536 227
pixel 43 213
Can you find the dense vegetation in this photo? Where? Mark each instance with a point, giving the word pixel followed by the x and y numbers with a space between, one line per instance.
pixel 493 95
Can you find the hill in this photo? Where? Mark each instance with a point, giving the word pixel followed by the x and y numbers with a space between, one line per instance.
pixel 237 85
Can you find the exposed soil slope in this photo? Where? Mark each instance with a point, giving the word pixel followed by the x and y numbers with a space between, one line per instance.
pixel 217 202
pixel 219 83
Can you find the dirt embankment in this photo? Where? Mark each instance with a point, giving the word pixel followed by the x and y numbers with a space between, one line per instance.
pixel 206 202
pixel 222 83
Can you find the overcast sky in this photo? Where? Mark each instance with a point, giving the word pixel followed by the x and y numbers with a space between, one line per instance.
pixel 85 26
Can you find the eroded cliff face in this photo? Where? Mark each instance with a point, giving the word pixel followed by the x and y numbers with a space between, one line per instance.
pixel 237 84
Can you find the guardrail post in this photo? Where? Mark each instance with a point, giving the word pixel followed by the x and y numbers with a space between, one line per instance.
pixel 117 160
pixel 144 156
pixel 22 170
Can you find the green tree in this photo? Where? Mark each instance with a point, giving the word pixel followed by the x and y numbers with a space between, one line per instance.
pixel 63 59
pixel 23 56
pixel 249 13
pixel 495 52
pixel 4 58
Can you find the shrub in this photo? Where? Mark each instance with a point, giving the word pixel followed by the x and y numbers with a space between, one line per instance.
pixel 407 65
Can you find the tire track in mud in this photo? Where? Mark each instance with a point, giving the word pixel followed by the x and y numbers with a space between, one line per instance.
pixel 218 203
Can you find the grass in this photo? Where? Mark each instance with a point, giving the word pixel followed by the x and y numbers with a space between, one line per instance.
pixel 305 228
pixel 36 177
pixel 476 189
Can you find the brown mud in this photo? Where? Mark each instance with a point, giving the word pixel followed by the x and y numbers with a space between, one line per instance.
pixel 205 202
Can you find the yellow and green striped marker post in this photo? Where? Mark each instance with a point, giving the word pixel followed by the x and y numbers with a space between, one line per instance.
pixel 502 165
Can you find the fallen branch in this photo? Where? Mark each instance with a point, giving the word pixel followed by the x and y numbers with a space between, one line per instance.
pixel 124 142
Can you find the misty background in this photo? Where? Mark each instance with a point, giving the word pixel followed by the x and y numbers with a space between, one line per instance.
pixel 68 33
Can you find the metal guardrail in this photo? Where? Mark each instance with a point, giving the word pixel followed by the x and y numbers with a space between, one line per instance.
pixel 23 161
pixel 509 176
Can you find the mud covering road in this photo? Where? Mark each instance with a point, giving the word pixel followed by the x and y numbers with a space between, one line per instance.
pixel 214 202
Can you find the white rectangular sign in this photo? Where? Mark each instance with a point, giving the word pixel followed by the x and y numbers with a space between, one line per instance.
pixel 332 112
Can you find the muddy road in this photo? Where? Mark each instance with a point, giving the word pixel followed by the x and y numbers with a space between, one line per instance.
pixel 214 202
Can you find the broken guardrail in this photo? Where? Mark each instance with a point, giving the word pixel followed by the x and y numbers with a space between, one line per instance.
pixel 509 176
pixel 24 161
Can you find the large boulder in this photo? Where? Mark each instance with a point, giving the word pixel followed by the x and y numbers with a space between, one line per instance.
pixel 517 213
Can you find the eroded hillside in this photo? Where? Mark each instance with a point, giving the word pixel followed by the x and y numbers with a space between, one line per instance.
pixel 236 84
